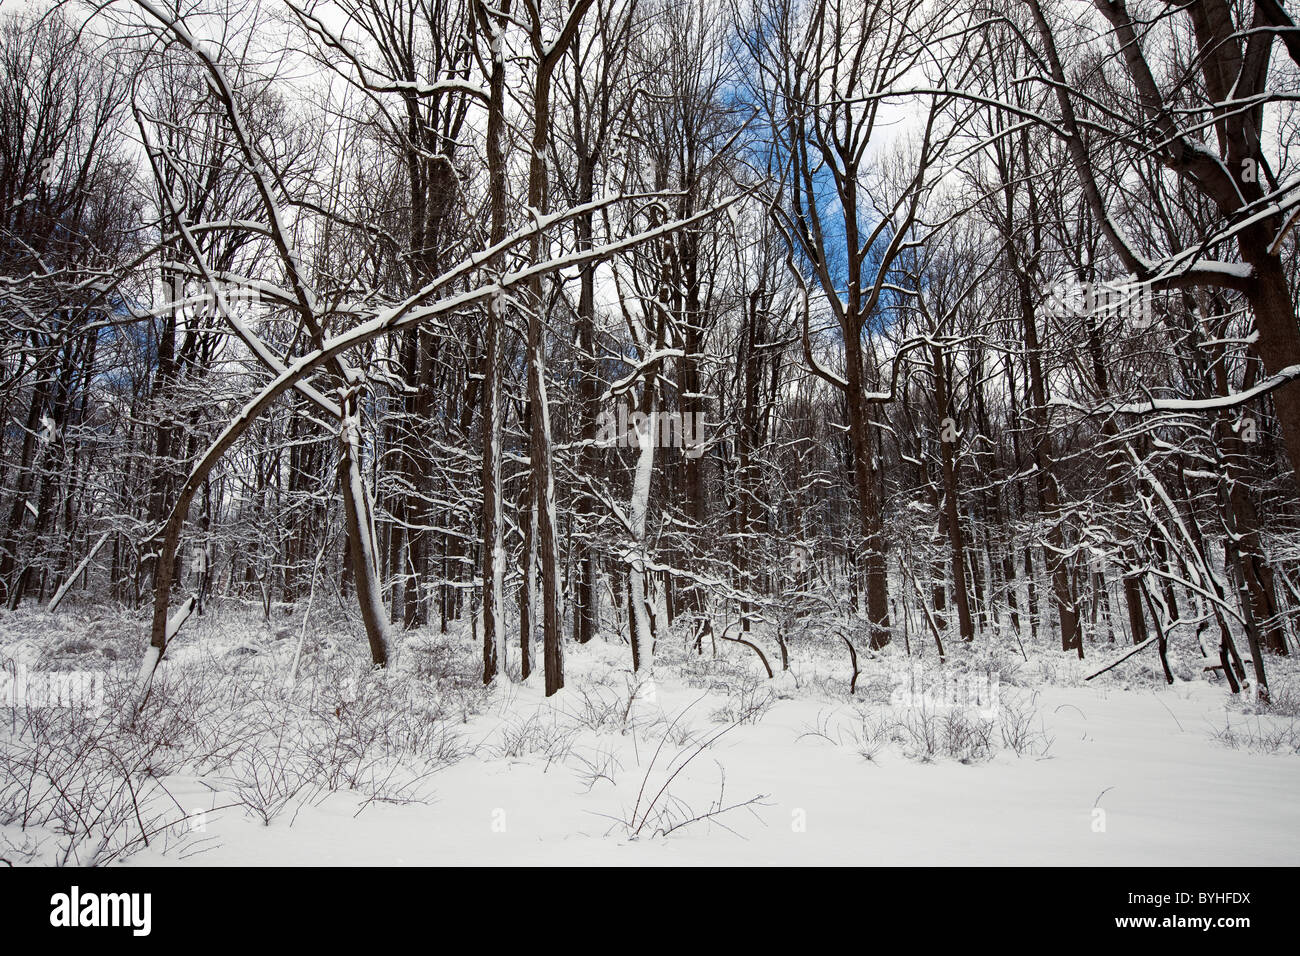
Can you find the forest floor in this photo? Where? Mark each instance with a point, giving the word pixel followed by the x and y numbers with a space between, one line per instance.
pixel 716 764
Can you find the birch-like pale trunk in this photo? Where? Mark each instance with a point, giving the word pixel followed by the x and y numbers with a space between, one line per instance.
pixel 493 555
pixel 638 511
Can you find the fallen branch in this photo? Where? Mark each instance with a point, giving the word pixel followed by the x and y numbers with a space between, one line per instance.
pixel 153 654
pixel 58 595
pixel 1149 642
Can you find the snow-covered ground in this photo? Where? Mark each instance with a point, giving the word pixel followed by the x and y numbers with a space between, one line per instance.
pixel 1121 771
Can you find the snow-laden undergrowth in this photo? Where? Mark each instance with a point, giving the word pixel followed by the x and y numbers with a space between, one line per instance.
pixel 710 761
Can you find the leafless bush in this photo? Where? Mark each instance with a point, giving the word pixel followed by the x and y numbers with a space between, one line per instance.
pixel 926 734
pixel 663 726
pixel 603 709
pixel 267 780
pixel 1021 726
pixel 540 733
pixel 95 784
pixel 74 775
pixel 874 734
pixel 601 765
pixel 746 704
pixel 1260 735
pixel 705 672
pixel 1283 696
pixel 658 811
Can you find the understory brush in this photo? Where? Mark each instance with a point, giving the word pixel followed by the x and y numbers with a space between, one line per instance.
pixel 90 784
pixel 927 733
pixel 1259 734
